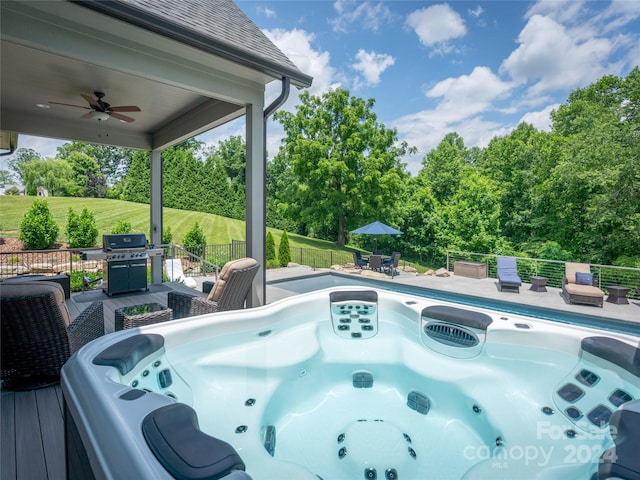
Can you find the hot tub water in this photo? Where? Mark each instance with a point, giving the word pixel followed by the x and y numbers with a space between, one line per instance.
pixel 385 386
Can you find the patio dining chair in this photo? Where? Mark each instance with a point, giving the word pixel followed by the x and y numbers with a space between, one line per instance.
pixel 229 292
pixel 391 265
pixel 38 336
pixel 375 263
pixel 358 261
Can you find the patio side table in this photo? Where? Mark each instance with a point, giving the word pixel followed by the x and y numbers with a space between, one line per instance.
pixel 139 315
pixel 617 294
pixel 538 284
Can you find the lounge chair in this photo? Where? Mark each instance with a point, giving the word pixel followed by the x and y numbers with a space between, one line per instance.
pixel 38 336
pixel 579 285
pixel 358 261
pixel 508 274
pixel 228 293
pixel 173 269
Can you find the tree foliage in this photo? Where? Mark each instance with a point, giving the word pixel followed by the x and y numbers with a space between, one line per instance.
pixel 284 250
pixel 344 165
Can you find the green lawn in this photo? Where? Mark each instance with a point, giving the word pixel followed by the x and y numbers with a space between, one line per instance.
pixel 218 230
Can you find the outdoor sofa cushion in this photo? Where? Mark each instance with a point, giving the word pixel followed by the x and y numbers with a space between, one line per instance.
pixel 27 288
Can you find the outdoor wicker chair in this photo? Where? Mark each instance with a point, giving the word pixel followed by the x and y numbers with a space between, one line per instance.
pixel 228 293
pixel 579 285
pixel 37 334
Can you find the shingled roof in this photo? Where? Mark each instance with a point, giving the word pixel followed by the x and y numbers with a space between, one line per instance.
pixel 215 26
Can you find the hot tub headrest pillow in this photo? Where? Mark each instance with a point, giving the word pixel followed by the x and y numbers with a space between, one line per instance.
pixel 174 436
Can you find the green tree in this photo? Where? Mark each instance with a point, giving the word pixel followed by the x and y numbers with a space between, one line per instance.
pixel 471 219
pixel 6 178
pixel 21 156
pixel 88 180
pixel 444 167
pixel 136 185
pixel 54 175
pixel 113 162
pixel 270 249
pixel 346 166
pixel 284 251
pixel 81 229
pixel 38 229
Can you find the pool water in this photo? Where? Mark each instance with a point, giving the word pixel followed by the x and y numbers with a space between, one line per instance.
pixel 313 283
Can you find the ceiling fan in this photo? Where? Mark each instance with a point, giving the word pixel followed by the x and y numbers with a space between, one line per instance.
pixel 101 110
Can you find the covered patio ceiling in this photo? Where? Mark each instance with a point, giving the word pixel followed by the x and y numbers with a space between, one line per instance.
pixel 189 66
pixel 54 51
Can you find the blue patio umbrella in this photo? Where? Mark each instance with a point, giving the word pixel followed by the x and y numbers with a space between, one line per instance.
pixel 377 228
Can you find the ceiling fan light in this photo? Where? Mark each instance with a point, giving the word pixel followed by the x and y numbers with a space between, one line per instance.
pixel 100 115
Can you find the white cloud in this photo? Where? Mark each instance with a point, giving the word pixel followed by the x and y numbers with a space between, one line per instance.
pixel 468 94
pixel 476 12
pixel 562 11
pixel 266 11
pixel 436 26
pixel 296 44
pixel 541 119
pixel 551 56
pixel 462 105
pixel 365 15
pixel 371 65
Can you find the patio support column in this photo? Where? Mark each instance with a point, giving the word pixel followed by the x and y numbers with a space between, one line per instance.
pixel 255 195
pixel 155 201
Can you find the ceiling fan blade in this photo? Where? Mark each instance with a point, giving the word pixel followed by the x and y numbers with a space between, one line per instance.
pixel 91 101
pixel 124 118
pixel 70 105
pixel 130 108
pixel 87 115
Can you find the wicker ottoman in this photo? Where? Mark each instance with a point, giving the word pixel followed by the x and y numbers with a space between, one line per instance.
pixel 139 315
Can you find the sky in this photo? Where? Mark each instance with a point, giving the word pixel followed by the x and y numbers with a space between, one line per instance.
pixel 475 68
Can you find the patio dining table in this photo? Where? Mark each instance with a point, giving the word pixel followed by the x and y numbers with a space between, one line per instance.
pixel 385 258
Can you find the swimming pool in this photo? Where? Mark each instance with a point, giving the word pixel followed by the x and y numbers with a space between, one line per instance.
pixel 310 283
pixel 350 383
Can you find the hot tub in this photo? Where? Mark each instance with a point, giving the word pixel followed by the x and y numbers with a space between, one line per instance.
pixel 355 383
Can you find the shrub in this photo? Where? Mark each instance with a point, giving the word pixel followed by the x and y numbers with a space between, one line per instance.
pixel 284 252
pixel 121 228
pixel 167 236
pixel 38 229
pixel 270 248
pixel 82 230
pixel 194 237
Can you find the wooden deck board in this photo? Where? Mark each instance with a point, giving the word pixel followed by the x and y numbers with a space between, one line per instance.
pixel 7 439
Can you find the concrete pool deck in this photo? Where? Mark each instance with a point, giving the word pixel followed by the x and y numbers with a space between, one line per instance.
pixel 483 288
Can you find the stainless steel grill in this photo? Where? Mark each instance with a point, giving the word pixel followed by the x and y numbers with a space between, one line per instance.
pixel 124 262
